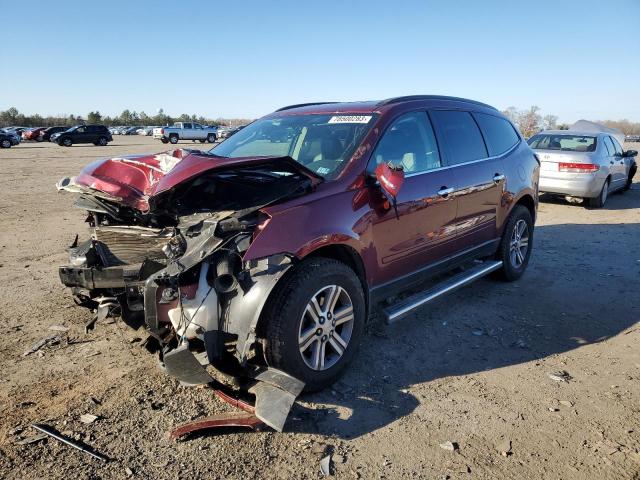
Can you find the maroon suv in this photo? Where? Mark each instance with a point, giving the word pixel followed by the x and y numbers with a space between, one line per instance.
pixel 272 248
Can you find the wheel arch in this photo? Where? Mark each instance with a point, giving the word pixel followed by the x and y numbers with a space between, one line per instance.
pixel 529 203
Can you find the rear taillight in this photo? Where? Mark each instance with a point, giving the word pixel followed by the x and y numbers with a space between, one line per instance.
pixel 162 131
pixel 578 167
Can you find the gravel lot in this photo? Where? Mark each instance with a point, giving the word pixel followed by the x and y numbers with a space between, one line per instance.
pixel 471 369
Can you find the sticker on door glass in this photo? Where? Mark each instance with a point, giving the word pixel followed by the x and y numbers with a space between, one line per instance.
pixel 350 119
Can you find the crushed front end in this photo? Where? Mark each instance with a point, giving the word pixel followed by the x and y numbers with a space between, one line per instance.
pixel 167 238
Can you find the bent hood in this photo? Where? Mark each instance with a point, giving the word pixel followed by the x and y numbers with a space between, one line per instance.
pixel 133 180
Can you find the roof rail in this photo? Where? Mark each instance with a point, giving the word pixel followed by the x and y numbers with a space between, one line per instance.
pixel 298 105
pixel 408 98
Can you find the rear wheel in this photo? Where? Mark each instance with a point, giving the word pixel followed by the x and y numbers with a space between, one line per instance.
pixel 173 138
pixel 211 138
pixel 601 199
pixel 314 321
pixel 515 247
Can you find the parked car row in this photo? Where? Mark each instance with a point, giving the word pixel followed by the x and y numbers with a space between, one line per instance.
pixel 8 138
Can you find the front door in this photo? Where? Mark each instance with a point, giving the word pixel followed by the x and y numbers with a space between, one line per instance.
pixel 620 169
pixel 423 230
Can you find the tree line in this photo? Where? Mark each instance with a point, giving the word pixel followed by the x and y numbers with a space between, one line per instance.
pixel 529 121
pixel 12 117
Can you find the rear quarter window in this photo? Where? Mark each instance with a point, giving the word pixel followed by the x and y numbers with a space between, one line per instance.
pixel 459 133
pixel 498 133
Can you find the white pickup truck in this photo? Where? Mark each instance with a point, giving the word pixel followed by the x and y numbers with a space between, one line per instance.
pixel 185 131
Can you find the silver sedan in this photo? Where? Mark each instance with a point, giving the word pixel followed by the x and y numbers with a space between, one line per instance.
pixel 585 165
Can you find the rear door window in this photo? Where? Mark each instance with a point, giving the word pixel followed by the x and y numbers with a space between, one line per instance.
pixel 616 146
pixel 607 143
pixel 458 132
pixel 186 125
pixel 498 133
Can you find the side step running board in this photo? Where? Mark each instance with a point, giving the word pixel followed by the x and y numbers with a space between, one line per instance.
pixel 406 306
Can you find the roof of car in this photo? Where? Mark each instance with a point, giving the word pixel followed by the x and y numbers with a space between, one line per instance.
pixel 371 106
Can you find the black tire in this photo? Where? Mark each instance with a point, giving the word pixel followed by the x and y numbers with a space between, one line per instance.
pixel 173 138
pixel 164 140
pixel 601 199
pixel 5 144
pixel 211 138
pixel 102 141
pixel 203 140
pixel 65 142
pixel 511 270
pixel 632 172
pixel 283 315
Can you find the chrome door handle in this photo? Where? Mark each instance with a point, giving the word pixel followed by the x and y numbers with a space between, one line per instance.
pixel 444 191
pixel 498 177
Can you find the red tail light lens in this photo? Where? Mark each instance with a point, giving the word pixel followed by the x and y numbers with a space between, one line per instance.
pixel 578 167
pixel 162 131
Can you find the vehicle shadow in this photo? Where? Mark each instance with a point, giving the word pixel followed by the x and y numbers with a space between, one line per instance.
pixel 559 305
pixel 616 201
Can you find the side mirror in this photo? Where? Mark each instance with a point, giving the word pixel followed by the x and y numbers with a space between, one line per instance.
pixel 630 153
pixel 390 178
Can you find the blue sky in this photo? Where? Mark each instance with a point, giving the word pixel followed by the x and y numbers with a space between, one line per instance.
pixel 575 59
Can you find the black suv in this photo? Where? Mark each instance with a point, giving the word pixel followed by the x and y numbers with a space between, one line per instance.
pixel 96 134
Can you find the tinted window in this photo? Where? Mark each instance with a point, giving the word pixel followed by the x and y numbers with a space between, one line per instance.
pixel 499 135
pixel 607 143
pixel 409 142
pixel 186 125
pixel 460 136
pixel 616 145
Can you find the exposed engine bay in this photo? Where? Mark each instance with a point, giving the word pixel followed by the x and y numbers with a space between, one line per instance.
pixel 177 265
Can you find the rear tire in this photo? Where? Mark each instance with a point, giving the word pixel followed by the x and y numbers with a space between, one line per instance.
pixel 516 243
pixel 316 311
pixel 173 139
pixel 601 199
pixel 211 138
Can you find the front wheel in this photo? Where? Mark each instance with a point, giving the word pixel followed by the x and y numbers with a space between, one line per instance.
pixel 66 142
pixel 632 173
pixel 5 144
pixel 102 141
pixel 515 246
pixel 164 140
pixel 314 321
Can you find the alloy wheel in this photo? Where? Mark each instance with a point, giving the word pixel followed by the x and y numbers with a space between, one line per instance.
pixel 326 327
pixel 519 243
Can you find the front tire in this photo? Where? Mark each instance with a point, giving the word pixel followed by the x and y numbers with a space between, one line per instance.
pixel 515 246
pixel 102 141
pixel 164 140
pixel 632 173
pixel 66 142
pixel 601 199
pixel 314 321
pixel 5 144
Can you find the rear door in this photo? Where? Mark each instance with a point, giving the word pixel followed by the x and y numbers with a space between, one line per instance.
pixel 480 176
pixel 424 230
pixel 620 169
pixel 187 131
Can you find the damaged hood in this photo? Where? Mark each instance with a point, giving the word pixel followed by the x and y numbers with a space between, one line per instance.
pixel 133 180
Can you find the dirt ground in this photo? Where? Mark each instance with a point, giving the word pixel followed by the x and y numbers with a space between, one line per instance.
pixel 471 369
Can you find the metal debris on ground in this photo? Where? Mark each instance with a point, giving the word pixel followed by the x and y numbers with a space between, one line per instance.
pixel 46 341
pixel 561 376
pixel 88 418
pixel 325 465
pixel 61 438
pixel 451 446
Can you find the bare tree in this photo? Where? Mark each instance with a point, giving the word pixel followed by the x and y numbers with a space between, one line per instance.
pixel 549 122
pixel 530 121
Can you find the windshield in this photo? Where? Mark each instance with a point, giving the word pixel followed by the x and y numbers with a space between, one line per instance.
pixel 566 143
pixel 322 143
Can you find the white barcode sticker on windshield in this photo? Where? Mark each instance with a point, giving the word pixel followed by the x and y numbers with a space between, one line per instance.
pixel 350 119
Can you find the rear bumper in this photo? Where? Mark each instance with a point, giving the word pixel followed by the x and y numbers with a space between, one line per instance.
pixel 584 185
